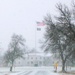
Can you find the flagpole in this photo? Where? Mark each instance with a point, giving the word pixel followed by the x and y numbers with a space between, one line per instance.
pixel 35 44
pixel 39 29
pixel 35 37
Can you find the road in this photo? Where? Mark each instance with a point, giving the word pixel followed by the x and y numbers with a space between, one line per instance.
pixel 42 73
pixel 32 71
pixel 29 71
pixel 39 72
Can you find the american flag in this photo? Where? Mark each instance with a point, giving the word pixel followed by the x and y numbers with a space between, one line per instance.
pixel 40 23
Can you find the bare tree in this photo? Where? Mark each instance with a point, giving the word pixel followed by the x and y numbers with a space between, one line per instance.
pixel 60 34
pixel 15 50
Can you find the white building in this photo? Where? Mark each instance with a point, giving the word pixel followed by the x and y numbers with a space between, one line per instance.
pixel 34 59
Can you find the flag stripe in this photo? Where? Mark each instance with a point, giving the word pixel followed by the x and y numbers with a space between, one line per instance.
pixel 40 23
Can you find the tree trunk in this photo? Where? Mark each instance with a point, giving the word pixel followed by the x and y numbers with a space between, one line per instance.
pixel 63 66
pixel 11 68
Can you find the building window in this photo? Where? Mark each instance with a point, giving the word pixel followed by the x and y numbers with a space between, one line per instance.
pixel 36 57
pixel 31 62
pixel 44 57
pixel 28 57
pixel 40 62
pixel 27 62
pixel 24 58
pixel 19 62
pixel 31 57
pixel 48 57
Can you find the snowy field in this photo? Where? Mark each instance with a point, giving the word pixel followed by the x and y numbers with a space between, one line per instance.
pixel 30 71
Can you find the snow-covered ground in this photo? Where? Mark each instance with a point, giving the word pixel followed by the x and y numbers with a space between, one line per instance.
pixel 30 71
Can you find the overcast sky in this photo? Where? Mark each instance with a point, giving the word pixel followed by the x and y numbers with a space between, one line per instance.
pixel 20 16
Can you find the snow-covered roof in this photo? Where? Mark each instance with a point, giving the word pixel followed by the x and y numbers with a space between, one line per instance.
pixel 40 54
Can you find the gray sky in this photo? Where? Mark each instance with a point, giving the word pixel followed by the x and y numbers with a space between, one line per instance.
pixel 20 16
